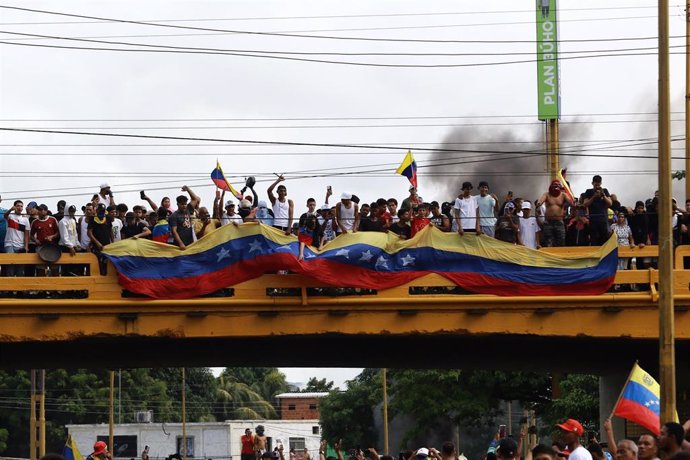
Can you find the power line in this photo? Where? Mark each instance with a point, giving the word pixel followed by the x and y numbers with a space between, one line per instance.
pixel 325 61
pixel 510 42
pixel 294 33
pixel 249 142
pixel 278 34
pixel 533 115
pixel 322 53
pixel 414 125
pixel 349 15
pixel 371 173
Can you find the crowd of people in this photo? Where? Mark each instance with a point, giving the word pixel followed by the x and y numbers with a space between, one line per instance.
pixel 554 219
pixel 566 445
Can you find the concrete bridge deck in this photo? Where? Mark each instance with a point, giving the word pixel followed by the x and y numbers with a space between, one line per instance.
pixel 295 319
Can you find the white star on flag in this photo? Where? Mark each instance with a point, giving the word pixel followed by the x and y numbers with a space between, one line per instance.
pixel 222 254
pixel 407 260
pixel 382 262
pixel 255 246
pixel 343 252
pixel 366 256
pixel 285 247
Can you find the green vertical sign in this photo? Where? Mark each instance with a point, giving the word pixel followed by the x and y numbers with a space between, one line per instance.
pixel 547 61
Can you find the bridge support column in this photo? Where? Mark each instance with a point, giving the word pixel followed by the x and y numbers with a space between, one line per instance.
pixel 610 386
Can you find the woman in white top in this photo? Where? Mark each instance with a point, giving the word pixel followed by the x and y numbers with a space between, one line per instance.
pixel 347 214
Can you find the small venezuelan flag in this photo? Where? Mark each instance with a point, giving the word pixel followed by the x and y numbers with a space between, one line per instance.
pixel 639 400
pixel 222 183
pixel 71 451
pixel 408 168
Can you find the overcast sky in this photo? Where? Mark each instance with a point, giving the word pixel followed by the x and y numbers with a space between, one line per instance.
pixel 45 86
pixel 225 97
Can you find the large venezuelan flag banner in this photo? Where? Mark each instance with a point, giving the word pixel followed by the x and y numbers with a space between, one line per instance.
pixel 639 400
pixel 373 260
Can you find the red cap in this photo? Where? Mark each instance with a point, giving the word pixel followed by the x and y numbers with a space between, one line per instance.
pixel 573 426
pixel 99 448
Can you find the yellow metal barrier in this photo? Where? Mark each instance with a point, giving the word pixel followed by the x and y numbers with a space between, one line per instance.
pixel 35 308
pixel 273 289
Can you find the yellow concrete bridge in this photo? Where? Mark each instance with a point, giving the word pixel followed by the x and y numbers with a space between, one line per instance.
pixel 51 320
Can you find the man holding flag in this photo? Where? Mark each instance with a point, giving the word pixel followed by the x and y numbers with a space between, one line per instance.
pixel 553 229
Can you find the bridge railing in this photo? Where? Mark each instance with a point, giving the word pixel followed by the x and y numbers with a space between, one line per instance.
pixel 77 277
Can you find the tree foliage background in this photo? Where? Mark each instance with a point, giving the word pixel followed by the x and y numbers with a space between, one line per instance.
pixel 76 396
pixel 451 397
pixel 469 399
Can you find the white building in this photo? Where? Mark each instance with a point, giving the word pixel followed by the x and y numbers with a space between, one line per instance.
pixel 212 440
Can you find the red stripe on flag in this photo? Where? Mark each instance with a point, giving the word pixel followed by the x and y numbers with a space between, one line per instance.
pixel 637 413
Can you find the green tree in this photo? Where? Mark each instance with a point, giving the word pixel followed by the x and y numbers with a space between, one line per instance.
pixel 4 435
pixel 579 400
pixel 200 392
pixel 318 385
pixel 350 414
pixel 237 400
pixel 267 382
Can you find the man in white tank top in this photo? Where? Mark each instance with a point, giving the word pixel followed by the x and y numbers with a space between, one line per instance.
pixel 347 214
pixel 283 208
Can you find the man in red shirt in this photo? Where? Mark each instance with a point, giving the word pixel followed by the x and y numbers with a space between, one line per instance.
pixel 44 230
pixel 247 445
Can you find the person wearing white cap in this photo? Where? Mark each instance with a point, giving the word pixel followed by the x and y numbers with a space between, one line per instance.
pixel 230 216
pixel 529 233
pixel 347 214
pixel 105 196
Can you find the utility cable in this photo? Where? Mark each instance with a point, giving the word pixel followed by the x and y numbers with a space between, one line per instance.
pixel 278 34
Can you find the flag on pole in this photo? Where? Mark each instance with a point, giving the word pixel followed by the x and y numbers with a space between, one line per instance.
pixel 71 451
pixel 564 183
pixel 408 168
pixel 639 400
pixel 222 183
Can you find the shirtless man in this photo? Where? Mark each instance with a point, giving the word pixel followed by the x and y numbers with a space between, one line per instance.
pixel 553 229
pixel 260 442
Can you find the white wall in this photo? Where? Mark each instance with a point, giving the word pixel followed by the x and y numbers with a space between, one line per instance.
pixel 219 440
pixel 210 440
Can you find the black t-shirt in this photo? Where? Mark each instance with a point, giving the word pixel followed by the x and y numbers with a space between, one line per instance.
pixel 598 210
pixel 505 228
pixel 183 222
pixel 303 219
pixel 402 231
pixel 102 232
pixel 129 231
pixel 368 225
pixel 639 225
